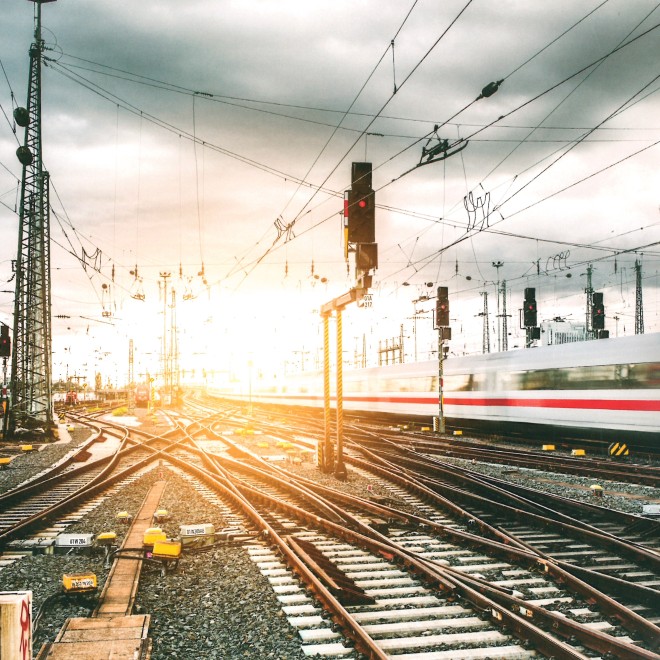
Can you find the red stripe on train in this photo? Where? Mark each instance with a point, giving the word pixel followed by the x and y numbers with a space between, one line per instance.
pixel 648 405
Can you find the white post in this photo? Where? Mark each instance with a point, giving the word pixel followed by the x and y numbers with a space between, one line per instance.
pixel 16 625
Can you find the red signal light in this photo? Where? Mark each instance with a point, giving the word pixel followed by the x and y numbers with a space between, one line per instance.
pixel 362 203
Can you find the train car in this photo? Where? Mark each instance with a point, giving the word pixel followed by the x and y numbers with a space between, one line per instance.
pixel 142 396
pixel 595 387
pixel 71 398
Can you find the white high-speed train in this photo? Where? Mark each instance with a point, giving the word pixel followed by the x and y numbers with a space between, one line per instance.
pixel 604 385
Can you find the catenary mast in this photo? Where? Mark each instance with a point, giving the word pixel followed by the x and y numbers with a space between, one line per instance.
pixel 31 400
pixel 639 305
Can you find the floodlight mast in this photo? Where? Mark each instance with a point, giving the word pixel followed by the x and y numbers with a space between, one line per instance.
pixel 31 405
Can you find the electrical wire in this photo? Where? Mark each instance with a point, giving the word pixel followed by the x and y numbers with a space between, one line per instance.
pixel 563 100
pixel 327 143
pixel 343 158
pixel 12 127
pixel 212 97
pixel 331 192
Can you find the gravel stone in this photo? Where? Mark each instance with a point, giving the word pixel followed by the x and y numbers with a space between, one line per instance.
pixel 216 604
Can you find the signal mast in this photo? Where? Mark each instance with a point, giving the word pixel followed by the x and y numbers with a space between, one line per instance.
pixel 31 401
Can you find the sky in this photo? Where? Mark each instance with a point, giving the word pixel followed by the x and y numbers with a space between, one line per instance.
pixel 204 148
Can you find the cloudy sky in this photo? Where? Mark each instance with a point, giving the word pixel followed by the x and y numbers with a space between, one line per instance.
pixel 213 141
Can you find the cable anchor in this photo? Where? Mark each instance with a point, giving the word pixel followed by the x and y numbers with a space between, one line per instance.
pixel 441 150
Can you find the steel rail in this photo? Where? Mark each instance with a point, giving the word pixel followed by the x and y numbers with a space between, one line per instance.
pixel 104 479
pixel 560 571
pixel 364 643
pixel 420 462
pixel 502 612
pixel 540 513
pixel 628 618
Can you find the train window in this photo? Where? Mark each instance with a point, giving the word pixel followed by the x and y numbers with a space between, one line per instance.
pixel 455 382
pixel 597 377
pixel 644 376
pixel 463 382
pixel 541 379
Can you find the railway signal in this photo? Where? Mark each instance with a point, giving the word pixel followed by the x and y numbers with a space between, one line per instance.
pixel 366 257
pixel 442 308
pixel 361 215
pixel 530 308
pixel 444 333
pixel 361 206
pixel 5 341
pixel 597 311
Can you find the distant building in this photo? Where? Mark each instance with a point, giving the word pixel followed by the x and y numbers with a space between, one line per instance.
pixel 559 331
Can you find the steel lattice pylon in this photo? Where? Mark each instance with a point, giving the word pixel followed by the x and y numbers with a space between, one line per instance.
pixel 31 400
pixel 639 305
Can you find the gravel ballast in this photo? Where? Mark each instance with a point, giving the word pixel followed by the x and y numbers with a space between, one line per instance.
pixel 216 604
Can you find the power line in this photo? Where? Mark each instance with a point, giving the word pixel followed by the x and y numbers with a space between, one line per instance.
pixel 213 97
pixel 341 160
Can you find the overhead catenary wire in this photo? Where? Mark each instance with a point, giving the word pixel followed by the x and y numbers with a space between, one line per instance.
pixel 410 73
pixel 619 47
pixel 212 97
pixel 12 127
pixel 327 142
pixel 558 105
pixel 135 111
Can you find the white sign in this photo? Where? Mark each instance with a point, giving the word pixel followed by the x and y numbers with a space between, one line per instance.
pixel 83 583
pixel 367 300
pixel 74 540
pixel 197 530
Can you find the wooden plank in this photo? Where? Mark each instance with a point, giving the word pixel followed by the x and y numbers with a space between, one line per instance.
pixel 115 650
pixel 121 586
pixel 108 634
pixel 136 621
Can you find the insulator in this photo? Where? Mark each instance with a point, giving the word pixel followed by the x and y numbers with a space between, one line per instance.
pixel 491 88
pixel 22 117
pixel 24 155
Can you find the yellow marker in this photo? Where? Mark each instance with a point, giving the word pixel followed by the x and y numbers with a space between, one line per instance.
pixel 152 535
pixel 106 538
pixel 597 490
pixel 26 447
pixel 619 449
pixel 578 452
pixel 166 550
pixel 79 582
pixel 548 447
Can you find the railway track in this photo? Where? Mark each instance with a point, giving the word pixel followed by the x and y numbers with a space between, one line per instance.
pixel 428 523
pixel 415 574
pixel 371 435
